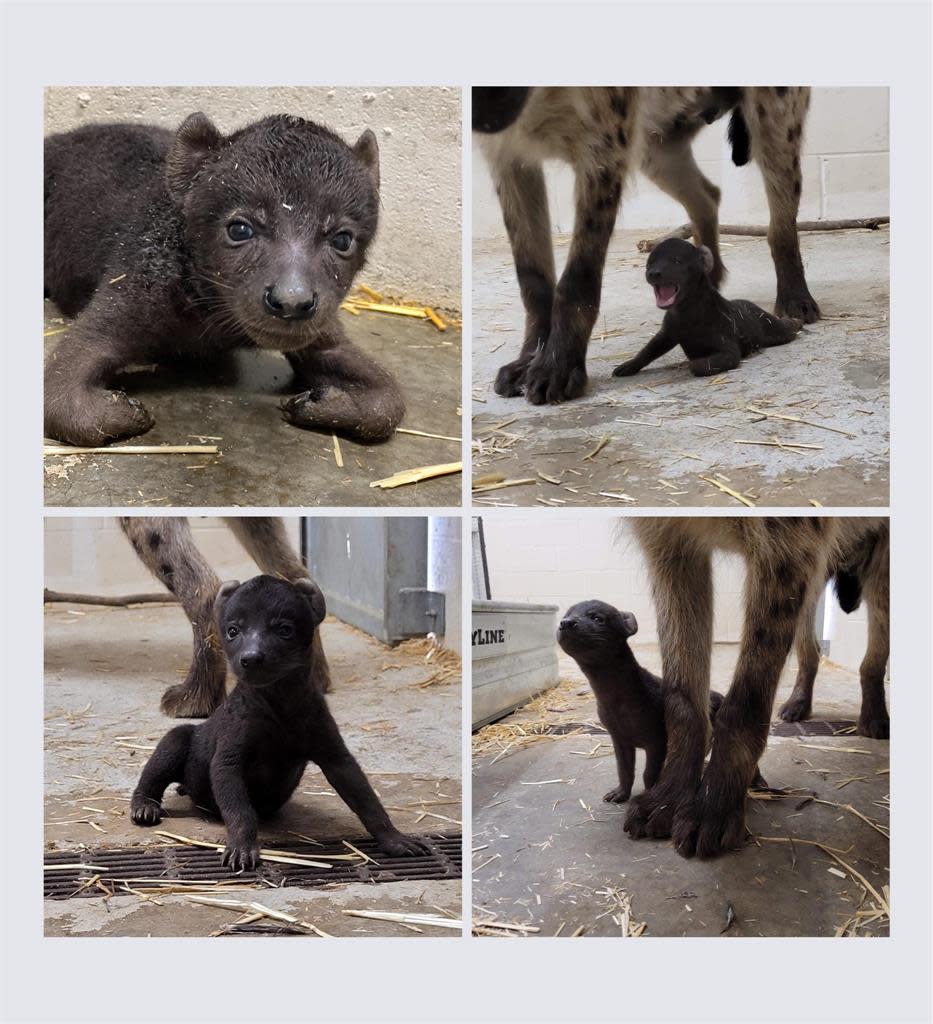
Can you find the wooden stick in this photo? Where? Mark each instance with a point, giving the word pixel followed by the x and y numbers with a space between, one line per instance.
pixel 413 476
pixel 133 449
pixel 59 597
pixel 424 433
pixel 686 230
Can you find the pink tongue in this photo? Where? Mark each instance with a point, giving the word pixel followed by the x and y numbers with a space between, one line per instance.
pixel 665 295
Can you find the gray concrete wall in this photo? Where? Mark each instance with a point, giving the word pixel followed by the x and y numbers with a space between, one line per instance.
pixel 417 253
pixel 444 574
pixel 844 163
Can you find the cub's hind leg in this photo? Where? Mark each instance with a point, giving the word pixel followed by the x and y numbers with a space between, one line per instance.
pixel 167 765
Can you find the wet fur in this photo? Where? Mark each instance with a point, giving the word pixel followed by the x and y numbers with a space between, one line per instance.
pixel 716 334
pixel 788 560
pixel 606 134
pixel 137 250
pixel 246 760
pixel 165 546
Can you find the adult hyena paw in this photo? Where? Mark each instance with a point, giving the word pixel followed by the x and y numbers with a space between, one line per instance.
pixel 649 816
pixel 510 380
pixel 795 709
pixel 186 701
pixel 798 304
pixel 876 725
pixel 98 419
pixel 618 795
pixel 550 382
pixel 704 830
pixel 145 811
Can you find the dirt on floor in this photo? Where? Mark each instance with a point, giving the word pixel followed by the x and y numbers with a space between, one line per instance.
pixel 651 439
pixel 263 461
pixel 551 858
pixel 105 670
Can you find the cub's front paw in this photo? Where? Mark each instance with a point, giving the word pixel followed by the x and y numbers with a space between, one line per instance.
pixel 145 811
pixel 241 855
pixel 550 381
pixel 397 844
pixel 618 795
pixel 627 369
pixel 97 418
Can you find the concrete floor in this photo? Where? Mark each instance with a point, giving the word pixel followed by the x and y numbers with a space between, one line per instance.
pixel 105 670
pixel 563 857
pixel 263 461
pixel 666 428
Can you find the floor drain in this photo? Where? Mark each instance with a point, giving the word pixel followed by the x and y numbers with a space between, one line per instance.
pixel 186 864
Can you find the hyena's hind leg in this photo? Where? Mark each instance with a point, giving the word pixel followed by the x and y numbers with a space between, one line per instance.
pixel 670 164
pixel 267 543
pixel 799 705
pixel 523 198
pixel 167 549
pixel 775 117
pixel 873 720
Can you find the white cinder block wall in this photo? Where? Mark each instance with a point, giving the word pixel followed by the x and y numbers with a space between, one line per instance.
pixel 844 164
pixel 445 571
pixel 90 555
pixel 563 558
pixel 416 254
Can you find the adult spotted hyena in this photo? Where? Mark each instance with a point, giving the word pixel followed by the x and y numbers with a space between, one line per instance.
pixel 166 547
pixel 605 134
pixel 788 560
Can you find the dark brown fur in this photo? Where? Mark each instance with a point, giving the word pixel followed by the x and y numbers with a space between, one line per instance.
pixel 184 245
pixel 165 546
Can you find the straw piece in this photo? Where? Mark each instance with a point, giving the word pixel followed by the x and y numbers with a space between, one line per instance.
pixel 271 855
pixel 133 449
pixel 338 456
pixel 797 419
pixel 600 444
pixel 728 490
pixel 417 919
pixel 424 433
pixel 504 483
pixel 435 319
pixel 413 476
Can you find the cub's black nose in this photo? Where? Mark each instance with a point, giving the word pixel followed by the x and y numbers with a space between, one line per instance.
pixel 289 302
pixel 653 275
pixel 568 624
pixel 249 659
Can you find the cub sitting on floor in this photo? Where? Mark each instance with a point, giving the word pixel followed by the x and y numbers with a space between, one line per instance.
pixel 715 334
pixel 245 761
pixel 629 699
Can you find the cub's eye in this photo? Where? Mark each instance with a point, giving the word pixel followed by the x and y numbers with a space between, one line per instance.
pixel 342 241
pixel 597 619
pixel 675 259
pixel 232 632
pixel 239 231
pixel 285 631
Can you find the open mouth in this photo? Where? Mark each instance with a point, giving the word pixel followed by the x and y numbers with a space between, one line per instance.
pixel 665 295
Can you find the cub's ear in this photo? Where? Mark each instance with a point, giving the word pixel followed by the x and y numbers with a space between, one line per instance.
pixel 223 595
pixel 367 149
pixel 195 140
pixel 315 598
pixel 706 259
pixel 629 623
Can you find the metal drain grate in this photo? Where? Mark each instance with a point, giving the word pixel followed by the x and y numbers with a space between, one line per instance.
pixel 191 864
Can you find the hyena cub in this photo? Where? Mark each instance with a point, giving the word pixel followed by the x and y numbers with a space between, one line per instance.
pixel 788 561
pixel 606 134
pixel 166 547
pixel 167 245
pixel 247 759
